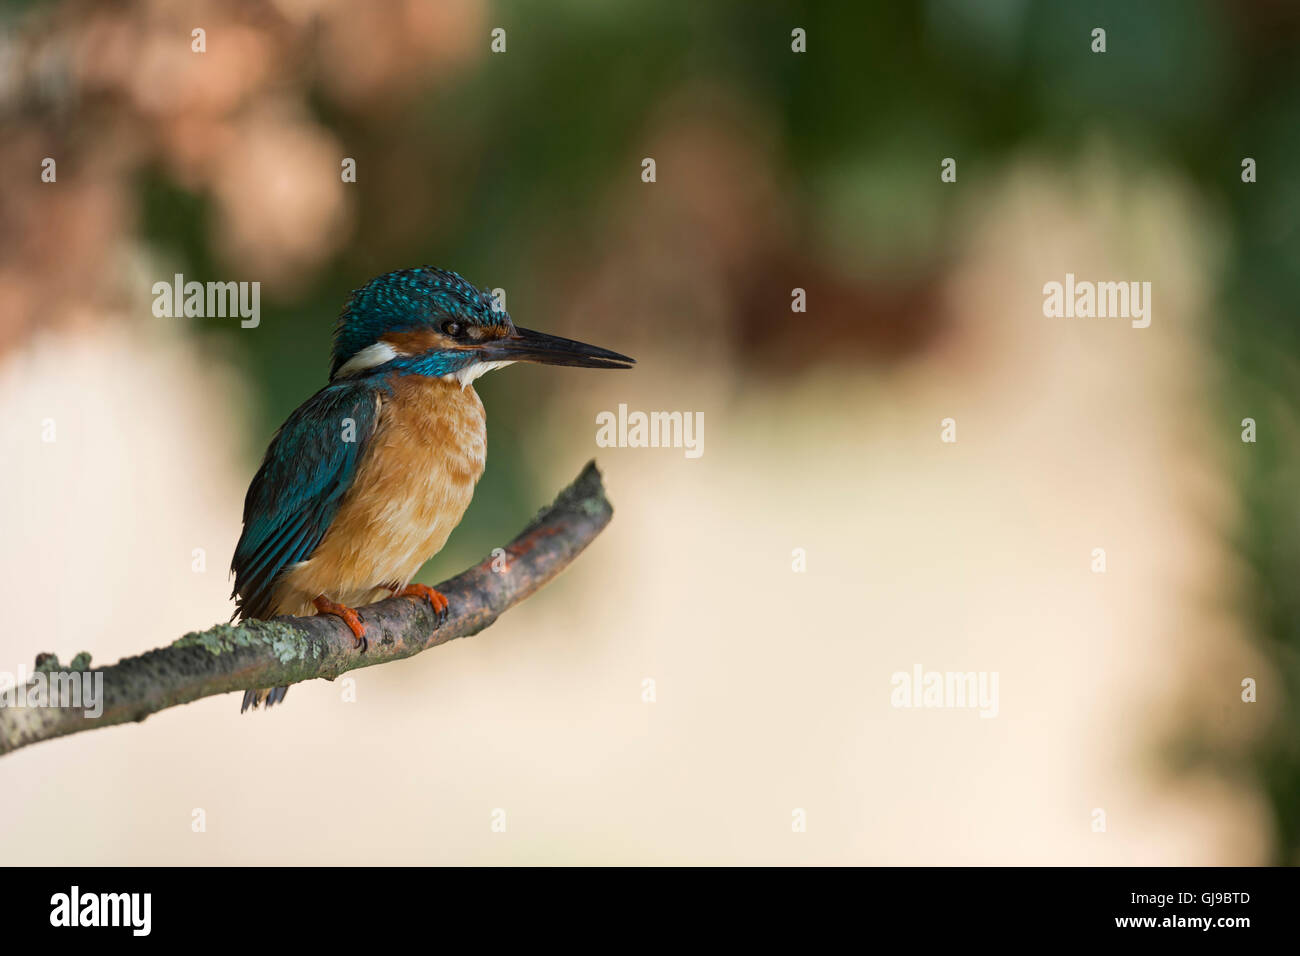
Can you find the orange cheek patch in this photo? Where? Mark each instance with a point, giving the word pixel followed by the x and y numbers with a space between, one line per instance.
pixel 418 340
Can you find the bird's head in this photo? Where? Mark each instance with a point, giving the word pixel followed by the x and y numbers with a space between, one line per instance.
pixel 431 322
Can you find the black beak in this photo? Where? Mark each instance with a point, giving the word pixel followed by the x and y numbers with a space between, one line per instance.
pixel 525 345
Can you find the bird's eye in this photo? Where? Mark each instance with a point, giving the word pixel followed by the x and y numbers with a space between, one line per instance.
pixel 452 328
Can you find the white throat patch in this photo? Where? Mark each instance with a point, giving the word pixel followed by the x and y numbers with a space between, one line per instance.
pixel 470 372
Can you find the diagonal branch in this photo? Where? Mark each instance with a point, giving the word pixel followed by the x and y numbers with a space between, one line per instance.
pixel 290 649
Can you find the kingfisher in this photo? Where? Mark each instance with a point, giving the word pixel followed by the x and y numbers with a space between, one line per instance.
pixel 365 480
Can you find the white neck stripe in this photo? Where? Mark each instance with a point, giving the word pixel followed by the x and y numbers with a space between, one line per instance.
pixel 369 357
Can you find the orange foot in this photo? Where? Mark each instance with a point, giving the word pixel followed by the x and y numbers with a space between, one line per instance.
pixel 434 597
pixel 350 617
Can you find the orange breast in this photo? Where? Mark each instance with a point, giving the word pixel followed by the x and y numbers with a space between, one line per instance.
pixel 412 487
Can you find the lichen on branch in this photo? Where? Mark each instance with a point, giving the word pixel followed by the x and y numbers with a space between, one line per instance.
pixel 236 657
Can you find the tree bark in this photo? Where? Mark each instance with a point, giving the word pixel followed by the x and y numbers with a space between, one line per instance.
pixel 287 650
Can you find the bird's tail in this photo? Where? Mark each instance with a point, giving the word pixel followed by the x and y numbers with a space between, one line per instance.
pixel 263 695
pixel 260 695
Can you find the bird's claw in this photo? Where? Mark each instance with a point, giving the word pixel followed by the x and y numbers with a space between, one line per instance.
pixel 349 616
pixel 435 597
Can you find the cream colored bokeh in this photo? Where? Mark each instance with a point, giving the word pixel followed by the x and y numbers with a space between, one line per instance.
pixel 773 688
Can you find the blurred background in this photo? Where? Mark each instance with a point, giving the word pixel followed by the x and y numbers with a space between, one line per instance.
pixel 129 438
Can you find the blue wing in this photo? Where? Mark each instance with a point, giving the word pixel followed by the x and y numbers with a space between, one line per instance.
pixel 296 492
